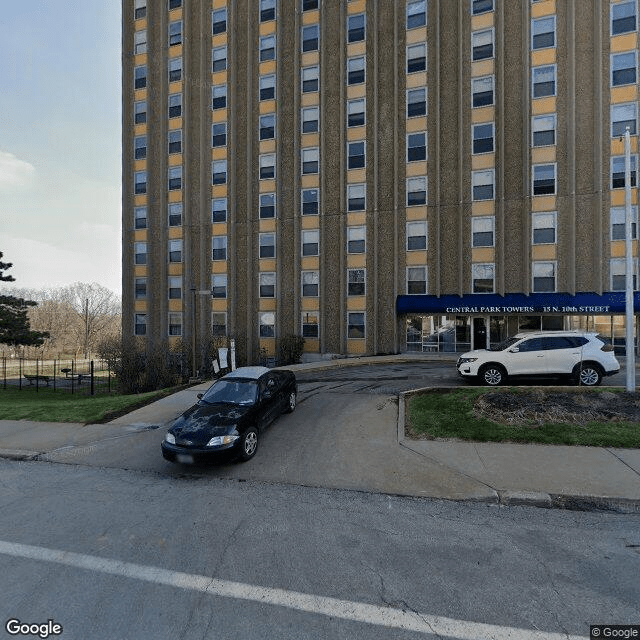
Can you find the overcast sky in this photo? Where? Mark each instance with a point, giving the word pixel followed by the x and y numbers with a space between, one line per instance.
pixel 60 141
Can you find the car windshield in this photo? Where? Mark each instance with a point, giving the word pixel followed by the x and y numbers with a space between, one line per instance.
pixel 506 344
pixel 232 392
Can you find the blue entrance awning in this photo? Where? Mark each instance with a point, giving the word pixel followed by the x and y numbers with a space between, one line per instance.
pixel 491 303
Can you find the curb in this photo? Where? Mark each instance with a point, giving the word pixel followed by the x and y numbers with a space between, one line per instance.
pixel 18 454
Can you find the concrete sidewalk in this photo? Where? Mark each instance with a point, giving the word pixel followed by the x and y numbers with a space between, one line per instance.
pixel 541 475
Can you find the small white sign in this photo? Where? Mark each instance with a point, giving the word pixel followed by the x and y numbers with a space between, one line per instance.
pixel 222 355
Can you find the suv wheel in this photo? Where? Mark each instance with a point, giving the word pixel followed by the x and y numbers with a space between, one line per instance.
pixel 589 375
pixel 493 374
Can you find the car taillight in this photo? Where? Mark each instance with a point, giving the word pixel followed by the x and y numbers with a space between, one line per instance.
pixel 606 347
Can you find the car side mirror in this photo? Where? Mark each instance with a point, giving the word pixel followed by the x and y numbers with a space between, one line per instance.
pixel 515 350
pixel 267 394
pixel 199 396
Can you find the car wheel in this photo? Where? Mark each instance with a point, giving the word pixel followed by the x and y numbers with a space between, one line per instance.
pixel 493 375
pixel 291 402
pixel 249 444
pixel 589 375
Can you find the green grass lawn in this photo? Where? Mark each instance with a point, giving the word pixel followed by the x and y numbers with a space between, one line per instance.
pixel 449 414
pixel 46 405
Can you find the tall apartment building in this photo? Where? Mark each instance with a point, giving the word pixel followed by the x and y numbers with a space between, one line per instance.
pixel 375 175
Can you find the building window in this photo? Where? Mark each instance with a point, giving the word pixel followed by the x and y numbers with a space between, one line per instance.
pixel 618 171
pixel 543 32
pixel 267 245
pixel 482 276
pixel 482 231
pixel 416 14
pixel 268 285
pixel 544 179
pixel 140 253
pixel 268 126
pixel 310 119
pixel 417 236
pixel 311 243
pixel 482 91
pixel 483 137
pixel 175 105
pixel 623 68
pixel 218 21
pixel 175 178
pixel 623 116
pixel 618 270
pixel 356 324
pixel 619 223
pixel 140 147
pixel 175 69
pixel 175 140
pixel 356 70
pixel 140 9
pixel 310 202
pixel 140 182
pixel 356 154
pixel 219 248
pixel 140 77
pixel 483 184
pixel 219 285
pixel 356 282
pixel 267 205
pixel 416 280
pixel 311 38
pixel 356 197
pixel 309 5
pixel 543 227
pixel 416 191
pixel 219 134
pixel 544 276
pixel 219 172
pixel 310 325
pixel 175 33
pixel 219 324
pixel 175 288
pixel 140 324
pixel 416 102
pixel 140 42
pixel 219 210
pixel 219 96
pixel 543 130
pixel 140 112
pixel 267 166
pixel 140 288
pixel 267 48
pixel 482 44
pixel 481 6
pixel 310 79
pixel 175 324
pixel 623 17
pixel 416 146
pixel 267 324
pixel 310 160
pixel 140 217
pixel 219 59
pixel 543 81
pixel 267 10
pixel 356 239
pixel 175 214
pixel 174 4
pixel 356 112
pixel 416 58
pixel 267 87
pixel 356 28
pixel 175 250
pixel 310 284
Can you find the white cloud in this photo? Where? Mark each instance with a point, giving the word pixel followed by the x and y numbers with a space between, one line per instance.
pixel 14 172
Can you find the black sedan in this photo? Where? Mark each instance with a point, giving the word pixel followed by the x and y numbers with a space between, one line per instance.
pixel 230 416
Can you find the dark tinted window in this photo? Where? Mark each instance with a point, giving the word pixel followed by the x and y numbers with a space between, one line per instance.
pixel 533 344
pixel 558 342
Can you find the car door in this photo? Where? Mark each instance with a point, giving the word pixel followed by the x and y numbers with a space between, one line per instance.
pixel 270 398
pixel 562 353
pixel 529 359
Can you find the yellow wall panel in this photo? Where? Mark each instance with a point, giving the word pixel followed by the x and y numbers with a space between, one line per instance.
pixel 355 176
pixel 356 260
pixel 416 213
pixel 357 6
pixel 140 235
pixel 356 347
pixel 310 100
pixel 175 305
pixel 483 161
pixel 310 181
pixel 310 17
pixel 482 68
pixel 267 146
pixel 267 106
pixel 356 91
pixel 310 304
pixel 309 222
pixel 356 303
pixel 625 42
pixel 543 203
pixel 309 58
pixel 267 225
pixel 483 208
pixel 416 169
pixel 483 114
pixel 543 56
pixel 218 266
pixel 175 195
pixel 416 124
pixel 483 254
pixel 267 264
pixel 543 8
pixel 218 153
pixel 267 28
pixel 543 154
pixel 543 105
pixel 175 159
pixel 627 93
pixel 416 258
pixel 544 252
pixel 267 186
pixel 417 80
pixel 482 21
pixel 311 345
pixel 267 304
pixel 175 269
pixel 175 233
pixel 416 35
pixel 357 218
pixel 309 140
pixel 308 263
pixel 356 49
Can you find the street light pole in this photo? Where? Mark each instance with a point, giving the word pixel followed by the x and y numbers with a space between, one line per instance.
pixel 629 271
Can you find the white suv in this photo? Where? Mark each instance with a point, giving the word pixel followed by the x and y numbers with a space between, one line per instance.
pixel 587 357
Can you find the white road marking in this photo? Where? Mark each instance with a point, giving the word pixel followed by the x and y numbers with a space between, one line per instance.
pixel 333 607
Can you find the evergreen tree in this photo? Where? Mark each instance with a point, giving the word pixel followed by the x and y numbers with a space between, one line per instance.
pixel 14 323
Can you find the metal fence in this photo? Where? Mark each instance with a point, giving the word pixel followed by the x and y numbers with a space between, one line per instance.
pixel 89 377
